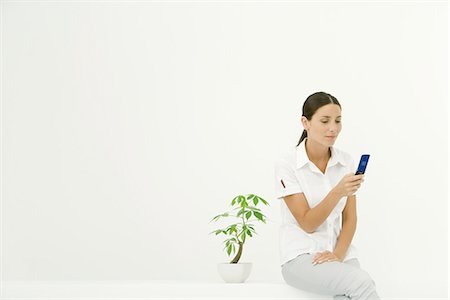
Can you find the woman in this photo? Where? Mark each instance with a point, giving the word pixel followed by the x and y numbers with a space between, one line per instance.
pixel 318 185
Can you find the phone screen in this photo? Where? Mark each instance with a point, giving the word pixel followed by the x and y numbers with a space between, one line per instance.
pixel 362 164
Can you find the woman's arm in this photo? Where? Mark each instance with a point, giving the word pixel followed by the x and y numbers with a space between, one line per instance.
pixel 311 218
pixel 348 228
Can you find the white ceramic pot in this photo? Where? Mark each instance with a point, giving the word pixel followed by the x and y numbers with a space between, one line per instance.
pixel 234 273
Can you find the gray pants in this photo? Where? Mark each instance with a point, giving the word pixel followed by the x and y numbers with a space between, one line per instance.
pixel 341 280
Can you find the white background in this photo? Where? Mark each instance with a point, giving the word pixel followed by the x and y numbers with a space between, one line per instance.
pixel 126 126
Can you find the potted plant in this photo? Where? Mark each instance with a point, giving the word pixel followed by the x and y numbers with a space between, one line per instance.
pixel 235 272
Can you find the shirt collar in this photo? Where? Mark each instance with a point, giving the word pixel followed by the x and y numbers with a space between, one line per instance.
pixel 302 157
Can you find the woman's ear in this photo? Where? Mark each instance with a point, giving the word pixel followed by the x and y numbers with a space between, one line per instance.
pixel 305 122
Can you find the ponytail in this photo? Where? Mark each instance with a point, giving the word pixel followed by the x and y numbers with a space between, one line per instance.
pixel 304 135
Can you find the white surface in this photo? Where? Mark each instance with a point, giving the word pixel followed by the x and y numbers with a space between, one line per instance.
pixel 127 127
pixel 158 289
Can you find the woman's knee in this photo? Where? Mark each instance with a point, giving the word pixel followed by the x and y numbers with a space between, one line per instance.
pixel 362 283
pixel 365 279
pixel 293 278
pixel 286 277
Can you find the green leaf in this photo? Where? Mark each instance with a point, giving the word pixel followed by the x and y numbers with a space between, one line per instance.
pixel 241 212
pixel 255 200
pixel 242 201
pixel 215 218
pixel 262 200
pixel 232 226
pixel 258 215
pixel 250 196
pixel 253 208
pixel 219 216
pixel 229 250
pixel 249 233
pixel 248 215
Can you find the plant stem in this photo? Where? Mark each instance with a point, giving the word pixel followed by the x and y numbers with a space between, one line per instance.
pixel 238 255
pixel 241 244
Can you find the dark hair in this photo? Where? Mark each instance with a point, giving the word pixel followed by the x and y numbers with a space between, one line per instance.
pixel 312 104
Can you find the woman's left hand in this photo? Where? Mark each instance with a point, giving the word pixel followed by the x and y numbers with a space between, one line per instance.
pixel 325 256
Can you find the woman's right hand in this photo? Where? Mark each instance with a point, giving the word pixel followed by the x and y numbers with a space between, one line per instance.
pixel 349 184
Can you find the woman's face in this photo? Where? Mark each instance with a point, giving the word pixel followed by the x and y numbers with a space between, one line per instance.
pixel 325 125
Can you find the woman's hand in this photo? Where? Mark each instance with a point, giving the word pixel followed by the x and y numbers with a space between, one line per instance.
pixel 325 256
pixel 349 184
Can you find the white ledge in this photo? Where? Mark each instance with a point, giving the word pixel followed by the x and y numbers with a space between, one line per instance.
pixel 151 289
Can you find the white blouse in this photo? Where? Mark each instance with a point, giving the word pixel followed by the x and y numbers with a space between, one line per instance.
pixel 295 173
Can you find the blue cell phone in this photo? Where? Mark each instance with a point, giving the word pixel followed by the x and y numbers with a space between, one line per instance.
pixel 362 164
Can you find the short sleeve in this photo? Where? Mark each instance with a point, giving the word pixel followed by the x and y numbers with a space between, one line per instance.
pixel 286 183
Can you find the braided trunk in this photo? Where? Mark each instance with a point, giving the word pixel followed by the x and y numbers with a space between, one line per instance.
pixel 238 254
